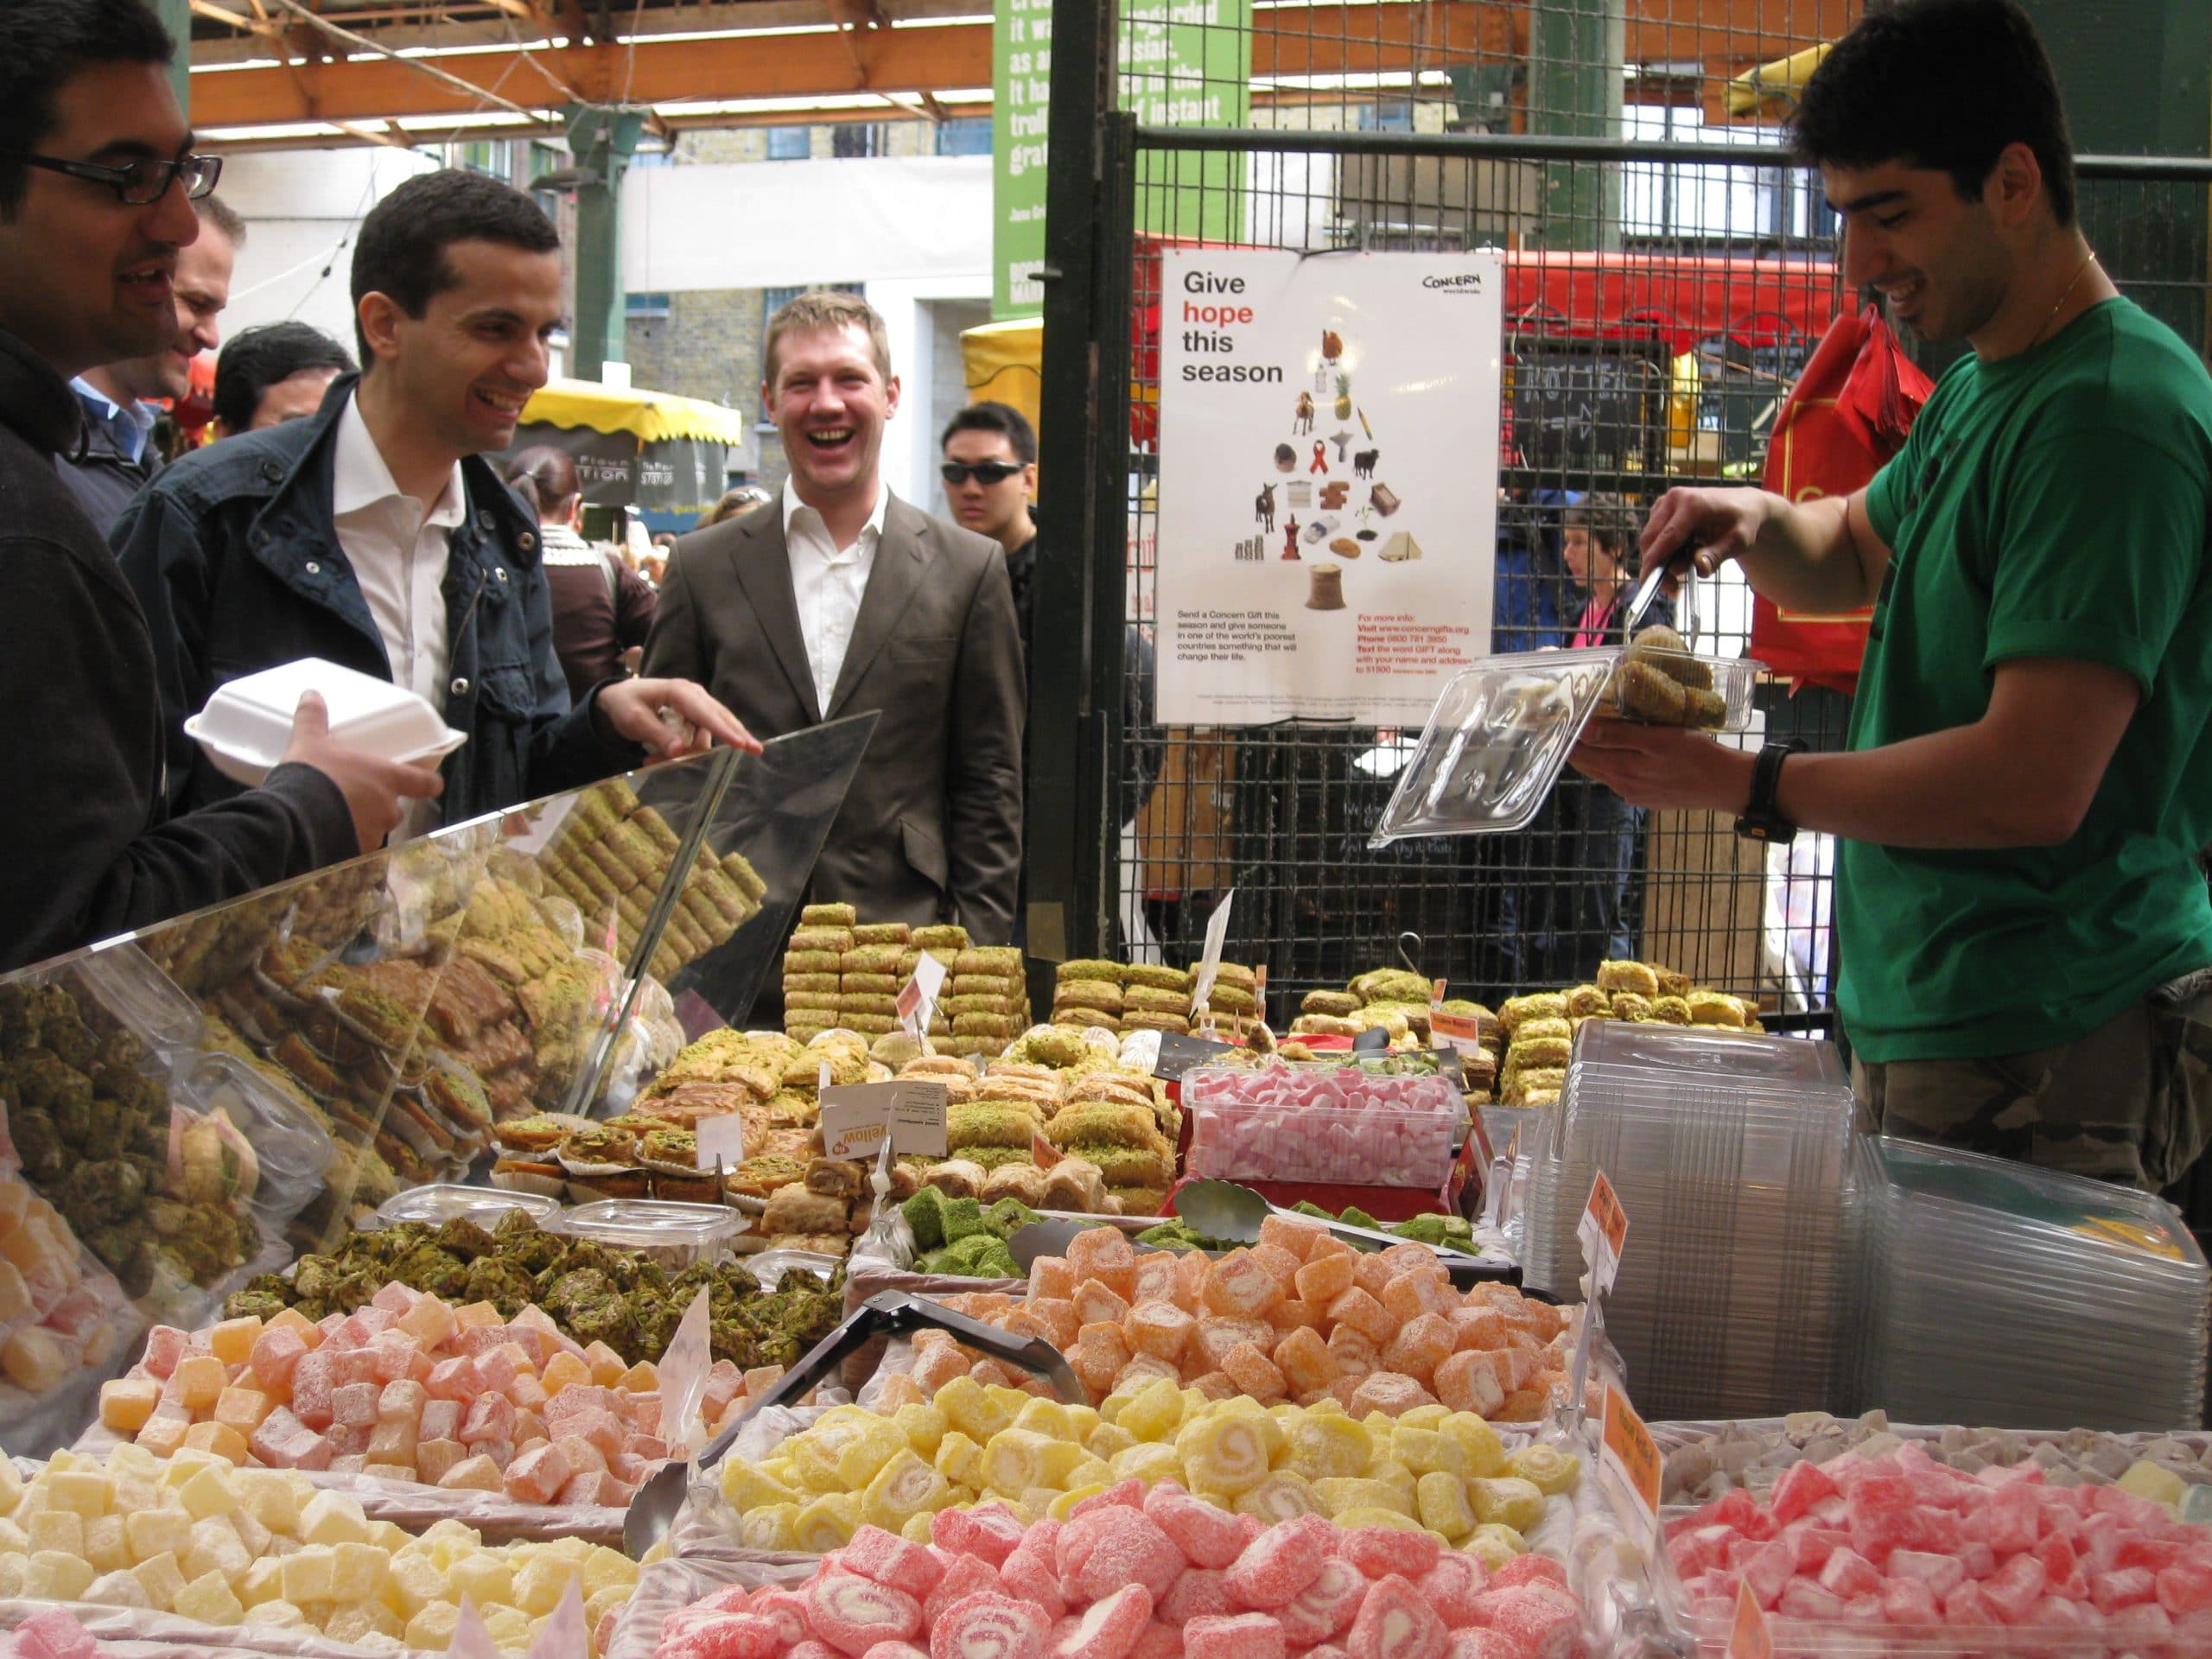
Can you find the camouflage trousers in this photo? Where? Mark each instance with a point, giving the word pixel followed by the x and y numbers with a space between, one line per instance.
pixel 2130 1102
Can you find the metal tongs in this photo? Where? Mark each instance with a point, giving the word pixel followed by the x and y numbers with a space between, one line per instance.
pixel 1647 589
pixel 887 1313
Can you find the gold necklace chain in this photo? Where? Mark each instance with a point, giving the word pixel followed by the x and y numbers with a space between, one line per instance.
pixel 2080 272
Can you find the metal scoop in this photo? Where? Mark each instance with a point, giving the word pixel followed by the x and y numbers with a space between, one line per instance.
pixel 888 1313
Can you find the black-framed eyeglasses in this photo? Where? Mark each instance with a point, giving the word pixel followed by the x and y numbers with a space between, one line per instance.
pixel 140 183
pixel 989 471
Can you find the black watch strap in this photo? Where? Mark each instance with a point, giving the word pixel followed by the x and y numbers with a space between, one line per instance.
pixel 1763 819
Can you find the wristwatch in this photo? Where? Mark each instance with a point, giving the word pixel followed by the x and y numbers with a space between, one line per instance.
pixel 1763 819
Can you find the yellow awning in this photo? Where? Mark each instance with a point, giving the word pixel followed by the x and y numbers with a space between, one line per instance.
pixel 1002 363
pixel 653 416
pixel 1771 87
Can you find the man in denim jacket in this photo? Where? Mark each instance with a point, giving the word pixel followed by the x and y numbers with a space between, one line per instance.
pixel 375 536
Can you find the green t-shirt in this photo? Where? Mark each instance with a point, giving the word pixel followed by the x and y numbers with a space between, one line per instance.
pixel 2053 504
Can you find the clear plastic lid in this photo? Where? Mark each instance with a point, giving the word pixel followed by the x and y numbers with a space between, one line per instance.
pixel 450 1201
pixel 126 982
pixel 1496 743
pixel 1650 1046
pixel 654 1225
pixel 2062 1208
pixel 247 723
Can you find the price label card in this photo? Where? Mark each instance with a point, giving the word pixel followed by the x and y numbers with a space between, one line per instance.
pixel 1459 1032
pixel 855 1116
pixel 720 1139
pixel 917 997
pixel 1631 1456
pixel 1209 963
pixel 1748 1635
pixel 1603 1228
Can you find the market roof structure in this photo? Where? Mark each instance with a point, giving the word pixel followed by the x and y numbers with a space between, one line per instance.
pixel 284 71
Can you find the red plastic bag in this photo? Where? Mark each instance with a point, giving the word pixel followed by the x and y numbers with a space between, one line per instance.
pixel 1848 413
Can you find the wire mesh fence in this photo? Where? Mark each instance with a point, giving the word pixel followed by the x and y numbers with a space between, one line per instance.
pixel 1669 273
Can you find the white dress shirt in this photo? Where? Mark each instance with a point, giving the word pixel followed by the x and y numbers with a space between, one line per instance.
pixel 828 581
pixel 398 551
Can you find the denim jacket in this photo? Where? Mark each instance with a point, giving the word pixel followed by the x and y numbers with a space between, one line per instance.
pixel 234 555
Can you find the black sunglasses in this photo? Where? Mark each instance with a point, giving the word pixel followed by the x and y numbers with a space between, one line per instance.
pixel 990 471
pixel 141 183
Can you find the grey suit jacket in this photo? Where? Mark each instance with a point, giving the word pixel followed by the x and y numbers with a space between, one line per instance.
pixel 932 831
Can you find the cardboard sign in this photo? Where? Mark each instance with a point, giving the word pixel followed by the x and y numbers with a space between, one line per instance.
pixel 1178 1054
pixel 721 1138
pixel 917 997
pixel 1627 1452
pixel 1209 962
pixel 1603 1228
pixel 1748 1635
pixel 854 1117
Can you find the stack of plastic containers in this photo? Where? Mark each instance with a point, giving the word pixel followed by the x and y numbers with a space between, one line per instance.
pixel 1996 1293
pixel 1730 1156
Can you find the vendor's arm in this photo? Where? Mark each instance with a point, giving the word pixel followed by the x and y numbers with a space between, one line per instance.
pixel 1821 556
pixel 1968 786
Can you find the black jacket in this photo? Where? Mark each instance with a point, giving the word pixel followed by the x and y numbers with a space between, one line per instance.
pixel 233 551
pixel 88 849
pixel 104 479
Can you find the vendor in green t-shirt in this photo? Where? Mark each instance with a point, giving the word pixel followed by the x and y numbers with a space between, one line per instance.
pixel 2023 930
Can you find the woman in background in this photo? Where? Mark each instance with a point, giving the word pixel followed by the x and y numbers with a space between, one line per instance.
pixel 601 609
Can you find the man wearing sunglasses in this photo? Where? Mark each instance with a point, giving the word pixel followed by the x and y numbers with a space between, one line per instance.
pixel 97 181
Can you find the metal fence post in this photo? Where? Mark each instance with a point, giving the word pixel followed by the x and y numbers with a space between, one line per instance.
pixel 1065 804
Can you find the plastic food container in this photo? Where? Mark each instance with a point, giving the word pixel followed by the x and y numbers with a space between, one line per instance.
pixel 1498 737
pixel 1680 688
pixel 247 724
pixel 674 1235
pixel 291 1149
pixel 1340 1124
pixel 445 1201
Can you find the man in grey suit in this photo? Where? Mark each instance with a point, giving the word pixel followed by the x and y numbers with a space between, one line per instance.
pixel 838 599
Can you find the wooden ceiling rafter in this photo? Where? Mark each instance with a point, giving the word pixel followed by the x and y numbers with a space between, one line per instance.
pixel 864 49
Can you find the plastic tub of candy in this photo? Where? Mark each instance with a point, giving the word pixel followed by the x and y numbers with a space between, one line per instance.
pixel 445 1201
pixel 676 1236
pixel 1346 1124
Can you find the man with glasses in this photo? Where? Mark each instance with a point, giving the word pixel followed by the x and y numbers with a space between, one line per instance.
pixel 839 599
pixel 118 456
pixel 97 181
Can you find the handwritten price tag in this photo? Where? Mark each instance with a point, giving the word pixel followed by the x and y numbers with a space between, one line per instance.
pixel 1748 1635
pixel 1209 962
pixel 917 1003
pixel 1628 1453
pixel 1603 1229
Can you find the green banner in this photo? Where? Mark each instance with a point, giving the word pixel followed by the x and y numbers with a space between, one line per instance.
pixel 1184 63
pixel 1188 63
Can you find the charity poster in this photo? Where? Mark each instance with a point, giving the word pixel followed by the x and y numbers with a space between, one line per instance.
pixel 1328 481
